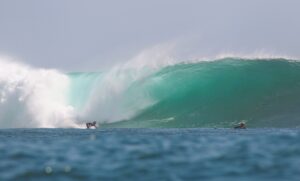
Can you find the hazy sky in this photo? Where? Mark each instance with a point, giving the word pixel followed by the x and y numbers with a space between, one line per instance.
pixel 89 34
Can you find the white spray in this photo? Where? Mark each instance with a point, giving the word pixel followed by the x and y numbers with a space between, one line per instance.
pixel 32 97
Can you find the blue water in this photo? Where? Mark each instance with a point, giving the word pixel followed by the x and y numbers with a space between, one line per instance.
pixel 149 154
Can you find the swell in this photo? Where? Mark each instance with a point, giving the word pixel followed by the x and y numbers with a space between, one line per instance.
pixel 262 92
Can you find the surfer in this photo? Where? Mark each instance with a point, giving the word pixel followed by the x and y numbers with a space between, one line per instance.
pixel 241 125
pixel 89 125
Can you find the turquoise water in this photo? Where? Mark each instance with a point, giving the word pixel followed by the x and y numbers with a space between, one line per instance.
pixel 221 93
pixel 81 87
pixel 149 154
pixel 264 93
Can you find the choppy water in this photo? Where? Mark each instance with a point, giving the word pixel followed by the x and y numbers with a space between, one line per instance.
pixel 149 154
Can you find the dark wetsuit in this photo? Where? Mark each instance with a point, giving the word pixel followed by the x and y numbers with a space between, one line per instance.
pixel 240 126
pixel 89 125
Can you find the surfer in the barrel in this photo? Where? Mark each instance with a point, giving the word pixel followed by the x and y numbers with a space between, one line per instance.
pixel 241 125
pixel 89 125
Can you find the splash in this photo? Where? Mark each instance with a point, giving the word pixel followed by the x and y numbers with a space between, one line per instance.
pixel 32 97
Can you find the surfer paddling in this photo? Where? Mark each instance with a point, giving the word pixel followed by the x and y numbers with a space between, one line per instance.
pixel 241 125
pixel 89 125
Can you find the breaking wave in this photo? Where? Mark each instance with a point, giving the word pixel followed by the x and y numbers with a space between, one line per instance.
pixel 264 92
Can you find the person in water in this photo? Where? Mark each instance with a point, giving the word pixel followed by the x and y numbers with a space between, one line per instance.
pixel 89 125
pixel 241 125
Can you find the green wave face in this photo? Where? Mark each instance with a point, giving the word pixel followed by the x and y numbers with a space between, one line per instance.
pixel 82 85
pixel 264 93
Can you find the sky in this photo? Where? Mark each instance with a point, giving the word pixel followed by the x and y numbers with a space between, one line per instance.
pixel 87 35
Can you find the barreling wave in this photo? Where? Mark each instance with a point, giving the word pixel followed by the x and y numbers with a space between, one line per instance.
pixel 220 93
pixel 262 92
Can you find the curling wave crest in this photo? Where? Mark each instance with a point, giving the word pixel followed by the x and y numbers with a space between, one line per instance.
pixel 264 92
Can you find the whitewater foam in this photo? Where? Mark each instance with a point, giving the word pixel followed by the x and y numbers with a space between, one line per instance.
pixel 33 97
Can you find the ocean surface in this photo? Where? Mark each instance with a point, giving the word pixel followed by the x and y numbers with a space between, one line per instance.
pixel 158 121
pixel 150 154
